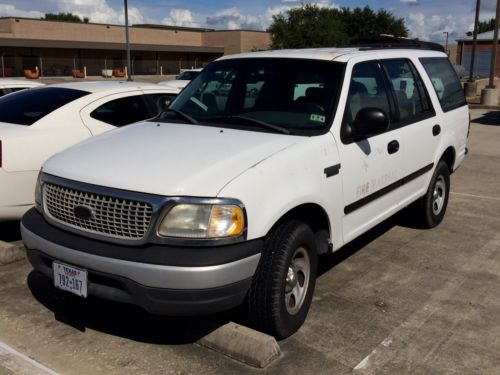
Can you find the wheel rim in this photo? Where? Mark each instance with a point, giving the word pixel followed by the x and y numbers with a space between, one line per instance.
pixel 439 195
pixel 297 280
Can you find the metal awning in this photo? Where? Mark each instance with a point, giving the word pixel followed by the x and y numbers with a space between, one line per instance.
pixel 66 44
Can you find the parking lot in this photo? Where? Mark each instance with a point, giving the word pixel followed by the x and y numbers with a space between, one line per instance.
pixel 397 300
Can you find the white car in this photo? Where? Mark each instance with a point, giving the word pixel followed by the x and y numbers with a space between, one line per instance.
pixel 10 85
pixel 234 193
pixel 37 123
pixel 182 79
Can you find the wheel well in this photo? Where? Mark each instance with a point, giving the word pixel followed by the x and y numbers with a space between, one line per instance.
pixel 317 219
pixel 449 158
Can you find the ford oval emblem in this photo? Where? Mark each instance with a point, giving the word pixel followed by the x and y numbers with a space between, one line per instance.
pixel 83 212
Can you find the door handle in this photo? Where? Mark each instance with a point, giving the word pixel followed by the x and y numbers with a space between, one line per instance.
pixel 393 147
pixel 436 130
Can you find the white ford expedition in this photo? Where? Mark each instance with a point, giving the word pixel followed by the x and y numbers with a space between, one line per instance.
pixel 264 161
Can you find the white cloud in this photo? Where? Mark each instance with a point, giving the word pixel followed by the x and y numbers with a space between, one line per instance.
pixel 8 10
pixel 180 17
pixel 233 18
pixel 433 27
pixel 99 11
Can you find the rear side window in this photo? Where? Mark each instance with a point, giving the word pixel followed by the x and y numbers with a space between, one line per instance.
pixel 407 86
pixel 28 106
pixel 445 82
pixel 122 111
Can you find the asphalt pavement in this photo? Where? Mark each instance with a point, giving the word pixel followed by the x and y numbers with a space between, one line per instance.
pixel 398 300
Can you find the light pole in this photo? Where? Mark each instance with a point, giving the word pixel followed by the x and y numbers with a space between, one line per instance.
pixel 474 41
pixel 127 42
pixel 494 48
pixel 446 45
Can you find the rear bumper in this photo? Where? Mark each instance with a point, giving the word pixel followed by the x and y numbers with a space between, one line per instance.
pixel 159 288
pixel 17 193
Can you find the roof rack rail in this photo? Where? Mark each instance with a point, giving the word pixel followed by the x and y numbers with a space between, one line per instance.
pixel 389 41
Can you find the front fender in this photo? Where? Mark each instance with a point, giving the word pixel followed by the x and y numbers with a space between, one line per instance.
pixel 287 179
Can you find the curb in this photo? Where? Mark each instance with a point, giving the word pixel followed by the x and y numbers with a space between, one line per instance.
pixel 10 253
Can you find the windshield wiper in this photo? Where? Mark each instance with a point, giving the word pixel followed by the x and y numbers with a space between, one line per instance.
pixel 183 115
pixel 262 124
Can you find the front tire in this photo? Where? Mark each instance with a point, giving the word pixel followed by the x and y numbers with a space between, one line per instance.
pixel 283 284
pixel 430 209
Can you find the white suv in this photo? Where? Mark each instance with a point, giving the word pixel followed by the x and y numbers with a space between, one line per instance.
pixel 263 162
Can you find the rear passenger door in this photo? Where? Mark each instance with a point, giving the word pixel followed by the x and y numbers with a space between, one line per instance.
pixel 420 128
pixel 371 167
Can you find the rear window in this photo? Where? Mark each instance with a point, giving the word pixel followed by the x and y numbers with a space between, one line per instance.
pixel 28 106
pixel 445 82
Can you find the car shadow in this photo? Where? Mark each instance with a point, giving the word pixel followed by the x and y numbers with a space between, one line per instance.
pixel 491 118
pixel 134 323
pixel 122 320
pixel 404 218
pixel 10 231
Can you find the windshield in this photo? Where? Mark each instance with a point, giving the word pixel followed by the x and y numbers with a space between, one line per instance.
pixel 188 75
pixel 28 106
pixel 293 96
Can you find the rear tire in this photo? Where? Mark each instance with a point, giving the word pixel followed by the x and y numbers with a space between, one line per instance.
pixel 283 284
pixel 429 210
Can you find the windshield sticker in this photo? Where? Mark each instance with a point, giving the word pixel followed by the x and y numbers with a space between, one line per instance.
pixel 317 118
pixel 199 103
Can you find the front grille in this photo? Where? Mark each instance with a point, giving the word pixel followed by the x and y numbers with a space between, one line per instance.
pixel 111 216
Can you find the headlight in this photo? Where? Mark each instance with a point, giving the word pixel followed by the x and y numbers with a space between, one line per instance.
pixel 38 192
pixel 202 221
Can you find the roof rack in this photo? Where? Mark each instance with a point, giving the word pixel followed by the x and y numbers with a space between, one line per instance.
pixel 384 41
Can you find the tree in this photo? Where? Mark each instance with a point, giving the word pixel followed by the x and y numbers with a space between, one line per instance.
pixel 314 26
pixel 68 17
pixel 484 26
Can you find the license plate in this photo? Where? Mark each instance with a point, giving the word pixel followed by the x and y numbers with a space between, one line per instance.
pixel 70 278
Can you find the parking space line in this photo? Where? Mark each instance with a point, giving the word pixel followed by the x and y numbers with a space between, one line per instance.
pixel 20 363
pixel 475 196
pixel 399 338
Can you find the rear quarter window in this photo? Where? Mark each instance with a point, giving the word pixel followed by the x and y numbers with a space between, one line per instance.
pixel 28 106
pixel 445 81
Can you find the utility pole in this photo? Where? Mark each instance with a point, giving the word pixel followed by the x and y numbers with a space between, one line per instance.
pixel 446 45
pixel 127 42
pixel 474 41
pixel 494 49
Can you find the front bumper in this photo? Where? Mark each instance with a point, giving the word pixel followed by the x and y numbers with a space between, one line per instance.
pixel 140 276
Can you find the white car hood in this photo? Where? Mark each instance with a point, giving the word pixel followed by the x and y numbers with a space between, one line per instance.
pixel 167 159
pixel 176 83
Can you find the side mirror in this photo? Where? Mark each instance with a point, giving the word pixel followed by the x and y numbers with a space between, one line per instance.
pixel 369 121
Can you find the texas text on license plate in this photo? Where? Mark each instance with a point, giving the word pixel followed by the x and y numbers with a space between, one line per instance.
pixel 70 278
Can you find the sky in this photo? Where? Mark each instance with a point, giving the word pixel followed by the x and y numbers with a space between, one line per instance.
pixel 425 19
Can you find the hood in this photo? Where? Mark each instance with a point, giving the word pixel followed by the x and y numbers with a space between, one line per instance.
pixel 167 159
pixel 176 83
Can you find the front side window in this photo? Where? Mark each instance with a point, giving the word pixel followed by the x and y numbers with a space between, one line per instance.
pixel 411 97
pixel 445 82
pixel 28 106
pixel 288 95
pixel 366 90
pixel 122 111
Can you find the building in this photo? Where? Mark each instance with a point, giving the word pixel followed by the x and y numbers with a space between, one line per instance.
pixel 483 54
pixel 57 48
